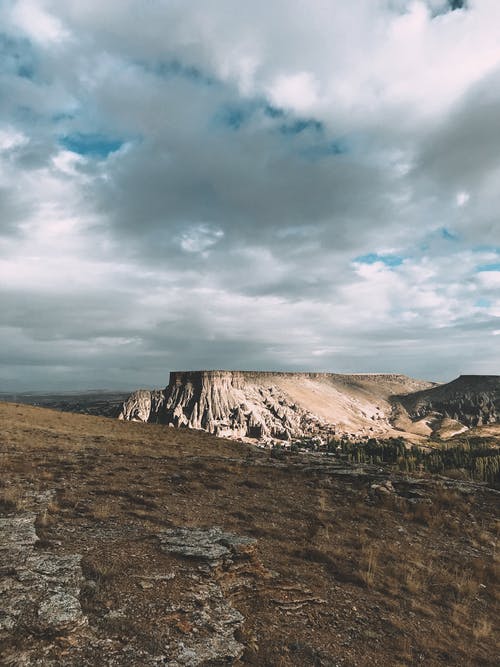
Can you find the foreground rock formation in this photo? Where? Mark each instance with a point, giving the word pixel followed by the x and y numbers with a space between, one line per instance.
pixel 39 589
pixel 266 406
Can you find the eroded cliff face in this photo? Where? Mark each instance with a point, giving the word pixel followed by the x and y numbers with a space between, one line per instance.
pixel 143 405
pixel 265 406
pixel 224 403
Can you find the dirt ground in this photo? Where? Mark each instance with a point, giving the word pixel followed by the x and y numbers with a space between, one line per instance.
pixel 342 571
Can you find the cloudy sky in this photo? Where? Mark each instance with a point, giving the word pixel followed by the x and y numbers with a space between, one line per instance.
pixel 275 184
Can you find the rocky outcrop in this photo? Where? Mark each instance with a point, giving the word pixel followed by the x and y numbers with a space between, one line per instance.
pixel 39 590
pixel 470 400
pixel 272 406
pixel 142 405
pixel 227 561
pixel 211 545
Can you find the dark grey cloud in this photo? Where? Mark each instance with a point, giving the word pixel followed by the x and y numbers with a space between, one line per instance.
pixel 296 186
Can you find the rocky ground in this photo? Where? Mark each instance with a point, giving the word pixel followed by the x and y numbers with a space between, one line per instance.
pixel 135 544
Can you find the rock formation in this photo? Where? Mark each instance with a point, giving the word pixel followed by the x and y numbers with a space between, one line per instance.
pixel 39 589
pixel 226 560
pixel 273 406
pixel 142 405
pixel 468 401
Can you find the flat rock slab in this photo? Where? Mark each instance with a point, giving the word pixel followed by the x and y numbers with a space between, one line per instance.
pixel 18 536
pixel 38 590
pixel 210 610
pixel 215 621
pixel 208 544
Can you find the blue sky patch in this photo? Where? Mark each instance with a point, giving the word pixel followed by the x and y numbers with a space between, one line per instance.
pixel 95 145
pixel 488 267
pixel 483 303
pixel 449 6
pixel 373 257
pixel 274 112
pixel 234 116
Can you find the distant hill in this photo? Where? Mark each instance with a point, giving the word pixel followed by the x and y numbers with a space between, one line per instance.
pixel 469 401
pixel 99 403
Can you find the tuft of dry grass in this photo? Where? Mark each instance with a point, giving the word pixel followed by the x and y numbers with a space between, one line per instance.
pixel 482 628
pixel 103 510
pixel 369 565
pixel 12 498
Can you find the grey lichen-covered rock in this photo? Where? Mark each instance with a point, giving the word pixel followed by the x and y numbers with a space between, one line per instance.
pixel 60 612
pixel 216 621
pixel 18 536
pixel 209 544
pixel 210 611
pixel 39 590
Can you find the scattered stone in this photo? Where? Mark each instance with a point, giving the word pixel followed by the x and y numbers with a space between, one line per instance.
pixel 145 585
pixel 61 612
pixel 382 488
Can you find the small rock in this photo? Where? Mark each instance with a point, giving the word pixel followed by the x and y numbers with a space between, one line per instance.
pixel 60 612
pixel 208 544
pixel 384 488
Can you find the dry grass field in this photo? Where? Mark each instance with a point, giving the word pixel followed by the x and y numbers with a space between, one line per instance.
pixel 342 573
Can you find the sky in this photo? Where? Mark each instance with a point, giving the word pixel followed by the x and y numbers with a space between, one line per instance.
pixel 275 185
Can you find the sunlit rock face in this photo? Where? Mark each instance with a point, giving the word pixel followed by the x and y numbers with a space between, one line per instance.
pixel 266 405
pixel 142 405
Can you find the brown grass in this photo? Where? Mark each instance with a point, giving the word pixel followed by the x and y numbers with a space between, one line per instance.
pixel 11 498
pixel 422 577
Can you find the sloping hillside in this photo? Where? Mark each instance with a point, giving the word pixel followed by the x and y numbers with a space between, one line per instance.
pixel 126 544
pixel 468 401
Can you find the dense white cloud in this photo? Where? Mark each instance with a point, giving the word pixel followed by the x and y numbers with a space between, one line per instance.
pixel 296 184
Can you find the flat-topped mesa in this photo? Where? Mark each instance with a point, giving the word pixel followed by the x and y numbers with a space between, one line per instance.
pixel 242 376
pixel 272 405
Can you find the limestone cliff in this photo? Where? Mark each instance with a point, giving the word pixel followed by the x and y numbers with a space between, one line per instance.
pixel 142 405
pixel 267 405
